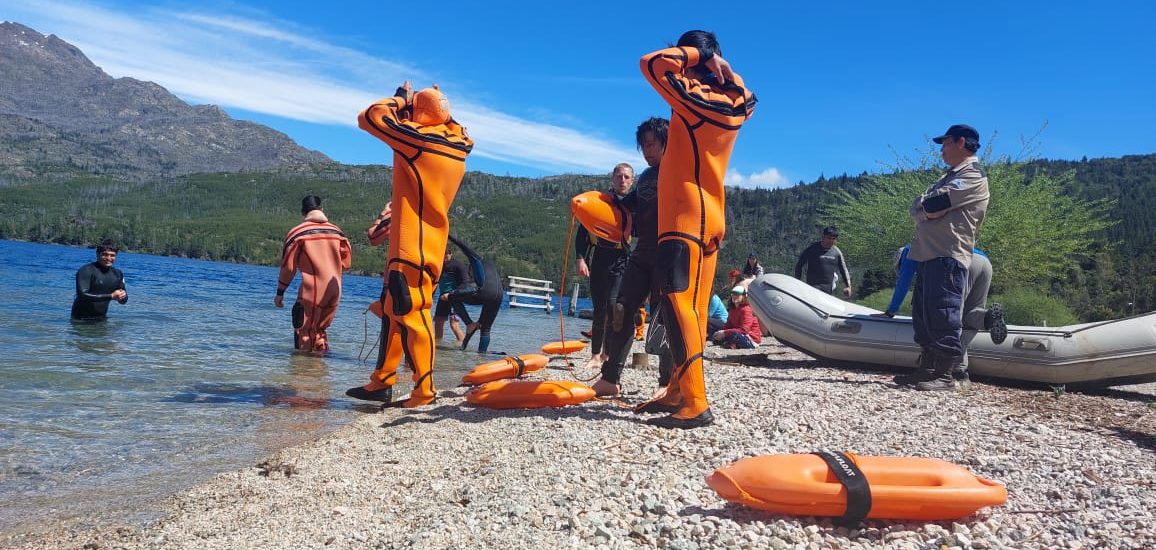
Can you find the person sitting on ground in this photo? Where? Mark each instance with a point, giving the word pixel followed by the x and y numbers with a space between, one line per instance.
pixel 97 284
pixel 752 268
pixel 742 329
pixel 824 262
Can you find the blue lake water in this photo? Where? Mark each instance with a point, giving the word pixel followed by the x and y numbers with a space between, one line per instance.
pixel 195 375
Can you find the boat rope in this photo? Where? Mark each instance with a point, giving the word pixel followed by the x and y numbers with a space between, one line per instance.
pixel 362 355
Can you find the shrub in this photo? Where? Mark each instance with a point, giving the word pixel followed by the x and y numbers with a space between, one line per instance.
pixel 1023 306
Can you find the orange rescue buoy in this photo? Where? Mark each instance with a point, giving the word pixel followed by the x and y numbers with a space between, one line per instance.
pixel 377 308
pixel 529 394
pixel 899 487
pixel 563 347
pixel 506 367
pixel 598 212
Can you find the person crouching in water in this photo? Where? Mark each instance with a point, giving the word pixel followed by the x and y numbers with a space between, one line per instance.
pixel 429 160
pixel 486 292
pixel 321 252
pixel 742 330
pixel 97 284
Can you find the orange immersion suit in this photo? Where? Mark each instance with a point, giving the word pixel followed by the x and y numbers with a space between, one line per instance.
pixel 428 165
pixel 321 252
pixel 705 120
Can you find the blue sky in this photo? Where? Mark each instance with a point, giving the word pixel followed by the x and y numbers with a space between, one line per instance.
pixel 554 87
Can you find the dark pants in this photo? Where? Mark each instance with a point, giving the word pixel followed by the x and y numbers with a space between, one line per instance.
pixel 637 282
pixel 714 325
pixel 606 267
pixel 936 306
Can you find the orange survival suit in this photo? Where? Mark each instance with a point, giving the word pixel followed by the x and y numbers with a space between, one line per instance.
pixel 321 252
pixel 705 119
pixel 428 165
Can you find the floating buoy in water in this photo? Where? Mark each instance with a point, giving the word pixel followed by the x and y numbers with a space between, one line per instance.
pixel 506 367
pixel 898 488
pixel 563 347
pixel 529 394
pixel 600 214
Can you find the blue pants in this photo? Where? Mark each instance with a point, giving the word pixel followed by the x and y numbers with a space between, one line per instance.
pixel 937 304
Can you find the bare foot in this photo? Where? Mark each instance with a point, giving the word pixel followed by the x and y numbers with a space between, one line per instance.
pixel 603 388
pixel 594 363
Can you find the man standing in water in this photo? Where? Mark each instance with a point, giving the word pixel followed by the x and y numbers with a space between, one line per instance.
pixel 97 284
pixel 710 104
pixel 321 252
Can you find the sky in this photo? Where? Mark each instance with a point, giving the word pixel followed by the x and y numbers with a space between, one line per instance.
pixel 548 88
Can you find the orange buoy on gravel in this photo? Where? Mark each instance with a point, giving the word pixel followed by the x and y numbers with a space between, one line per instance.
pixel 601 215
pixel 896 487
pixel 565 346
pixel 529 394
pixel 506 367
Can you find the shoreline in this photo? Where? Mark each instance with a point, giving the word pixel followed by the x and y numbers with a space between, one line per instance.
pixel 1079 469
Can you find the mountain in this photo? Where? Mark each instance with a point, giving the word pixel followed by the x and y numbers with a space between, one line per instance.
pixel 60 113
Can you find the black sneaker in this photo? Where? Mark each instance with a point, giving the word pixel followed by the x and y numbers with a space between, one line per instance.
pixel 937 384
pixel 654 407
pixel 962 380
pixel 383 395
pixel 702 420
pixel 587 333
pixel 994 323
pixel 912 378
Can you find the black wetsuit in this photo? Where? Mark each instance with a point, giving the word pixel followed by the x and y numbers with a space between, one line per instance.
pixel 94 288
pixel 453 277
pixel 486 292
pixel 606 261
pixel 822 265
pixel 638 279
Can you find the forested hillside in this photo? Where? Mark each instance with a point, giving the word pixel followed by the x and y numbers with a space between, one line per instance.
pixel 523 223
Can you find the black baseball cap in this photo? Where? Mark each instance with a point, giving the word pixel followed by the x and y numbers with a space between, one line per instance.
pixel 958 131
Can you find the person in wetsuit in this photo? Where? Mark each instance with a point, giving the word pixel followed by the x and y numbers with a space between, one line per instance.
pixel 709 105
pixel 824 262
pixel 453 277
pixel 97 284
pixel 606 262
pixel 486 292
pixel 639 276
pixel 320 251
pixel 429 160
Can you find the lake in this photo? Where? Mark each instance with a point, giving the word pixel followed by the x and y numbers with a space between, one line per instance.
pixel 195 375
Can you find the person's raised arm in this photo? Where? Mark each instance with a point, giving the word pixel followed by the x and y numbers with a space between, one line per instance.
pixel 727 104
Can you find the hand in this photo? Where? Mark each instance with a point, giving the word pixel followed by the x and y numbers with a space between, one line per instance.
pixel 718 335
pixel 721 69
pixel 119 295
pixel 405 91
pixel 279 301
pixel 583 269
pixel 445 297
pixel 847 291
pixel 387 211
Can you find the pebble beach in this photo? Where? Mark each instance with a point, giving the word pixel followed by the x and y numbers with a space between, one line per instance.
pixel 1079 467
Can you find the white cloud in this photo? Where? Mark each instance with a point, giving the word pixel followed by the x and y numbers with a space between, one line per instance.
pixel 277 68
pixel 770 178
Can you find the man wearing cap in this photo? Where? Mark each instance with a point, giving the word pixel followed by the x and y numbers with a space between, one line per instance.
pixel 824 262
pixel 947 218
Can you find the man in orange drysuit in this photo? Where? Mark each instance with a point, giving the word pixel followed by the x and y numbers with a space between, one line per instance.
pixel 709 104
pixel 321 252
pixel 429 160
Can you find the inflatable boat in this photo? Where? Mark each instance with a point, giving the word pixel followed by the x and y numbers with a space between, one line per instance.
pixel 1107 353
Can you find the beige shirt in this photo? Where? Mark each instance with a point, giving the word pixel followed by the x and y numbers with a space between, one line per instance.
pixel 958 201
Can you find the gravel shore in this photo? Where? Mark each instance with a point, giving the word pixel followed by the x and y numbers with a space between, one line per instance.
pixel 1079 469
